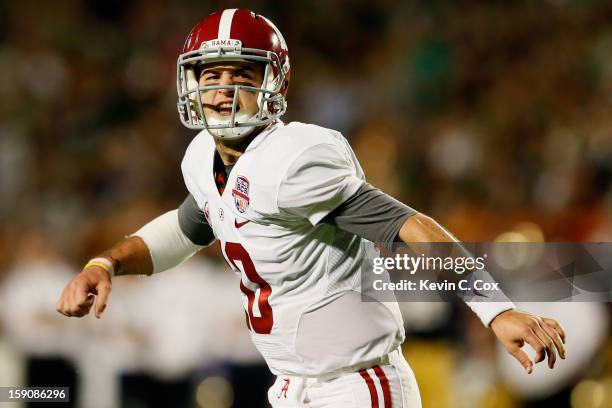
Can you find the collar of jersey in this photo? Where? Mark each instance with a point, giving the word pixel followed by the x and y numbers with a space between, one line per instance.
pixel 262 135
pixel 254 143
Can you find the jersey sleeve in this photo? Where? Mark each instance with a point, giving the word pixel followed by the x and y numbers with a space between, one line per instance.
pixel 372 215
pixel 320 179
pixel 193 223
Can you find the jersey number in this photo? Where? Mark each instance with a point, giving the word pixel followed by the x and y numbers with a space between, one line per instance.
pixel 259 324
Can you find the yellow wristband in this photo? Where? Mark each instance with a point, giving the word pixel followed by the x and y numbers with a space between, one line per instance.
pixel 102 263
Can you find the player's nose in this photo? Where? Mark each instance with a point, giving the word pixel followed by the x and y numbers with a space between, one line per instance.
pixel 226 79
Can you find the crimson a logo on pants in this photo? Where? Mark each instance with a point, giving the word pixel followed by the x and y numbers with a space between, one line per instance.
pixel 285 388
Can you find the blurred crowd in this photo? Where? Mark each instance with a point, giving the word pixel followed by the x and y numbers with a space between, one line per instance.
pixel 492 117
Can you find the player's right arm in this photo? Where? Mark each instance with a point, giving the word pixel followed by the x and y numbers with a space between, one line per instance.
pixel 161 244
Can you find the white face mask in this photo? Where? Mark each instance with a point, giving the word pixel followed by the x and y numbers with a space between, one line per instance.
pixel 271 101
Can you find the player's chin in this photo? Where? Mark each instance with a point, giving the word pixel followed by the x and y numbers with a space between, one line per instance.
pixel 216 120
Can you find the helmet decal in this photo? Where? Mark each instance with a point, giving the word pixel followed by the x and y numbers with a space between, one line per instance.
pixel 225 24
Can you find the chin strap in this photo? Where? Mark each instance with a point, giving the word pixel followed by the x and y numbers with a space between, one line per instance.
pixel 232 132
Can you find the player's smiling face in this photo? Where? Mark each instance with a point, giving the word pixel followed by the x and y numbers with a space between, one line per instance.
pixel 218 103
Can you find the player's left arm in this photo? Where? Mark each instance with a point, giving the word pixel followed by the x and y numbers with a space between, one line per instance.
pixel 325 183
pixel 378 217
pixel 512 327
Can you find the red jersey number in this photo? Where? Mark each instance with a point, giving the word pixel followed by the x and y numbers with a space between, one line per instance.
pixel 259 324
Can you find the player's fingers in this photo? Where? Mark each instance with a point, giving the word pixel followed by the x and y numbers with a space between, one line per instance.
pixel 66 303
pixel 83 308
pixel 556 338
pixel 549 345
pixel 80 293
pixel 70 296
pixel 61 308
pixel 60 303
pixel 535 344
pixel 522 358
pixel 103 289
pixel 552 323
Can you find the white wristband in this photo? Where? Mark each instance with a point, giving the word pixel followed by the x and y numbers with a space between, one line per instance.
pixel 102 263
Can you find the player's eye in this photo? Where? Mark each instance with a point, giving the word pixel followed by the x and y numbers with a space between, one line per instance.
pixel 209 76
pixel 244 75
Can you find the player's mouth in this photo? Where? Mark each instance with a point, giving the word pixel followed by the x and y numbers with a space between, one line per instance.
pixel 225 108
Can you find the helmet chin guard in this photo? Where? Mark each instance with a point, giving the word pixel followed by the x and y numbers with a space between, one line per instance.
pixel 253 39
pixel 230 132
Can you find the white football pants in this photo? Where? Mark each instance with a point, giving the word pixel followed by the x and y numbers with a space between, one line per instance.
pixel 389 385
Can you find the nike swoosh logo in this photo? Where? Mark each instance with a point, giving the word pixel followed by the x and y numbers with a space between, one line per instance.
pixel 240 224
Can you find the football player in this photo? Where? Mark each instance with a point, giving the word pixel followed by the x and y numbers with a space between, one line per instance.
pixel 295 218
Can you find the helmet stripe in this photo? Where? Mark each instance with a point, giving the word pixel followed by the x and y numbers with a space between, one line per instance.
pixel 225 25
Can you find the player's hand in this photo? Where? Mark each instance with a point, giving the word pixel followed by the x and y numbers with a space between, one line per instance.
pixel 91 285
pixel 545 336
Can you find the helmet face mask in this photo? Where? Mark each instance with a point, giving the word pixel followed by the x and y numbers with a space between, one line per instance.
pixel 200 50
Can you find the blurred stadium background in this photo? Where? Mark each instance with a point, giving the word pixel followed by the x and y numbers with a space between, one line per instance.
pixel 493 117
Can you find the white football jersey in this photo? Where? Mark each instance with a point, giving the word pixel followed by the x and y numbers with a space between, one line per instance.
pixel 300 279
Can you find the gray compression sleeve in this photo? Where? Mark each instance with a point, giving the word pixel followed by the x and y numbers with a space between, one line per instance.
pixel 372 215
pixel 193 223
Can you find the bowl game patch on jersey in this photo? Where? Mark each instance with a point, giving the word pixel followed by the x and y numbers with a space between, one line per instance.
pixel 241 194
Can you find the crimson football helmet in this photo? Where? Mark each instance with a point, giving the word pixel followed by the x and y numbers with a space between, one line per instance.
pixel 233 35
